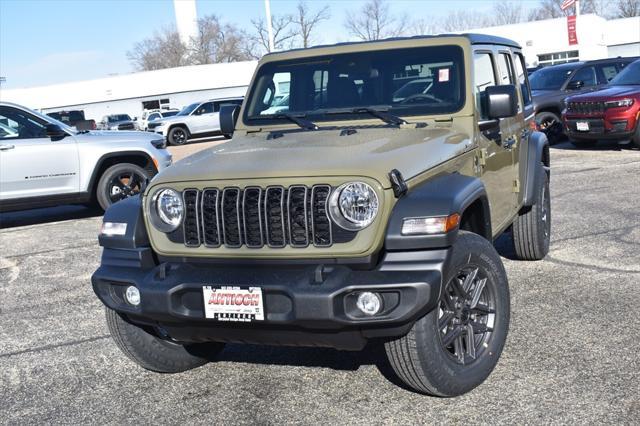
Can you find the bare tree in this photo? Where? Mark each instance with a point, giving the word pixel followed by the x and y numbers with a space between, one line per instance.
pixel 549 9
pixel 163 50
pixel 217 42
pixel 374 21
pixel 506 12
pixel 306 21
pixel 627 8
pixel 283 35
pixel 424 26
pixel 461 20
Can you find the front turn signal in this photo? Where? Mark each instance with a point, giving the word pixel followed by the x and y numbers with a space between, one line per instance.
pixel 430 225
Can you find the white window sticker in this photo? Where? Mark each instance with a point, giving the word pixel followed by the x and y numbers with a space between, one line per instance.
pixel 443 74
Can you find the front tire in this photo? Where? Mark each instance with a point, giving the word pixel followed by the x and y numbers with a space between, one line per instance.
pixel 178 136
pixel 154 353
pixel 454 348
pixel 532 228
pixel 120 181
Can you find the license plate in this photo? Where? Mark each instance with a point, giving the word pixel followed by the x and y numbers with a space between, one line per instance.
pixel 229 303
pixel 582 126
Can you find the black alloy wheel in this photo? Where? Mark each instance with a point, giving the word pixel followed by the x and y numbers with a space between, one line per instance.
pixel 177 136
pixel 121 181
pixel 466 315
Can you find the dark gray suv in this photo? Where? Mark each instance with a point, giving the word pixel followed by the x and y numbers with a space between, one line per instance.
pixel 551 85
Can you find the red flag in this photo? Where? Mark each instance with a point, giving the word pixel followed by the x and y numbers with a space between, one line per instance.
pixel 571 29
pixel 566 4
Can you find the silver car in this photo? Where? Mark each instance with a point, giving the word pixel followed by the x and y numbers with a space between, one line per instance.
pixel 44 162
pixel 196 120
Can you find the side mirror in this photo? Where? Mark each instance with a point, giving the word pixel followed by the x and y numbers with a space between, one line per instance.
pixel 575 85
pixel 502 101
pixel 55 132
pixel 228 118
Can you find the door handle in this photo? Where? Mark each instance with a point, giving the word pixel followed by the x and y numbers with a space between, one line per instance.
pixel 6 146
pixel 509 142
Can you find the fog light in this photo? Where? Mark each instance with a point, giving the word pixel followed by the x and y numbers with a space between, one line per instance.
pixel 369 303
pixel 113 228
pixel 132 295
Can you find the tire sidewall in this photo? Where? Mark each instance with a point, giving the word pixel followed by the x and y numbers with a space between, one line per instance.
pixel 553 135
pixel 449 377
pixel 101 190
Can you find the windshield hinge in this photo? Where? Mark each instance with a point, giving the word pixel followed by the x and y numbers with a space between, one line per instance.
pixel 397 183
pixel 482 157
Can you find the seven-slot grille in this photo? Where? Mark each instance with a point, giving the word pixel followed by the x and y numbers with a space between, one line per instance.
pixel 256 217
pixel 585 107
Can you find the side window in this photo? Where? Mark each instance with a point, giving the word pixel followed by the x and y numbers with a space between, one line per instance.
pixel 586 75
pixel 606 72
pixel 17 124
pixel 506 69
pixel 216 107
pixel 154 116
pixel 521 73
pixel 483 77
pixel 205 109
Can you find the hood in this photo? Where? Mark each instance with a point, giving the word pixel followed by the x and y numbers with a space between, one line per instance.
pixel 607 93
pixel 371 152
pixel 116 136
pixel 169 119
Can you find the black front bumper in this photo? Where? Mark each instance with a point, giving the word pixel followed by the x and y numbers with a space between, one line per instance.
pixel 305 304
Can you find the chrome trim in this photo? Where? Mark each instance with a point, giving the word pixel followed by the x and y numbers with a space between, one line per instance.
pixel 336 214
pixel 184 229
pixel 326 212
pixel 244 216
pixel 306 212
pixel 217 224
pixel 224 233
pixel 266 198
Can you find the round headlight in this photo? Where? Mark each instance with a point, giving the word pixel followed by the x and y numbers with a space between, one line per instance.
pixel 169 208
pixel 354 205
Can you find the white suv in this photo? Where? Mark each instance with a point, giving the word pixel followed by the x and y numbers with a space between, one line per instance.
pixel 44 162
pixel 194 121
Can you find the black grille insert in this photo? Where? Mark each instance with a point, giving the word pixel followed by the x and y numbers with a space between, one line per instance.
pixel 231 217
pixel 252 217
pixel 210 223
pixel 191 229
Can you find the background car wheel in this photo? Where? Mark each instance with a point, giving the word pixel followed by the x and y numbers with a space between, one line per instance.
pixel 550 124
pixel 120 181
pixel 147 349
pixel 532 228
pixel 582 143
pixel 177 136
pixel 454 348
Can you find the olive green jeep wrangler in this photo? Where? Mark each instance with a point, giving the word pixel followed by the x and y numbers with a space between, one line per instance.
pixel 357 201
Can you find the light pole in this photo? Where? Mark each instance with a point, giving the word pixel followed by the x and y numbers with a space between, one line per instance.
pixel 267 7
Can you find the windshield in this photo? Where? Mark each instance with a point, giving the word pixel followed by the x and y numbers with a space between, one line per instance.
pixel 119 117
pixel 188 109
pixel 413 81
pixel 629 76
pixel 549 78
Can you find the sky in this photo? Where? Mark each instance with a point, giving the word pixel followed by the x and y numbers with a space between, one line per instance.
pixel 54 41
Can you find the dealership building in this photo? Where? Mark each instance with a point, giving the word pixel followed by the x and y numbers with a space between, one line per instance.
pixel 544 42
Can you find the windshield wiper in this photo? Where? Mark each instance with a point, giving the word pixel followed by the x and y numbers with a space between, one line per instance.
pixel 297 119
pixel 381 113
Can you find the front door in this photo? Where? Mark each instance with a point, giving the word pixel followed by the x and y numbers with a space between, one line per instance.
pixel 31 164
pixel 496 141
pixel 203 119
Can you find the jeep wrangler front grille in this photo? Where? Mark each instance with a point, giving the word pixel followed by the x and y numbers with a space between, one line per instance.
pixel 254 217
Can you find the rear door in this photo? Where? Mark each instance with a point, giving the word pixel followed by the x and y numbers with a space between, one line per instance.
pixel 31 164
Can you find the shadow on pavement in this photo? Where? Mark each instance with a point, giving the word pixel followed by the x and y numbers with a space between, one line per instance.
pixel 595 146
pixel 46 215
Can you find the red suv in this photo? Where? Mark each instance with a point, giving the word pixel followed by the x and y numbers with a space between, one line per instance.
pixel 612 113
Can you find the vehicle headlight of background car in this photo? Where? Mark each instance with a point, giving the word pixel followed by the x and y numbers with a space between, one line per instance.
pixel 620 103
pixel 159 143
pixel 354 205
pixel 166 210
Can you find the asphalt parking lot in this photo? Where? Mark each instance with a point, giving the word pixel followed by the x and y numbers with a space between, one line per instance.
pixel 572 355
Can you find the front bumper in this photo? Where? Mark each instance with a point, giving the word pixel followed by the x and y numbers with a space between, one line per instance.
pixel 305 304
pixel 603 127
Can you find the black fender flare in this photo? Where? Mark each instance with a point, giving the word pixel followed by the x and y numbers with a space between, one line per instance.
pixel 127 211
pixel 443 195
pixel 537 153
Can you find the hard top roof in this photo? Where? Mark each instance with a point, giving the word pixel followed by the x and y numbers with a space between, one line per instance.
pixel 473 38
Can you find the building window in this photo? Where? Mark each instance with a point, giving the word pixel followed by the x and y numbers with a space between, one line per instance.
pixel 156 104
pixel 558 58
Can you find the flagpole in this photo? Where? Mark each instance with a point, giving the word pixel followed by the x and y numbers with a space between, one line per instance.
pixel 267 7
pixel 577 8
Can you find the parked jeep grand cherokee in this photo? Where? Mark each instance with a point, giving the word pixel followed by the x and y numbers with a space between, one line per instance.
pixel 612 113
pixel 344 218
